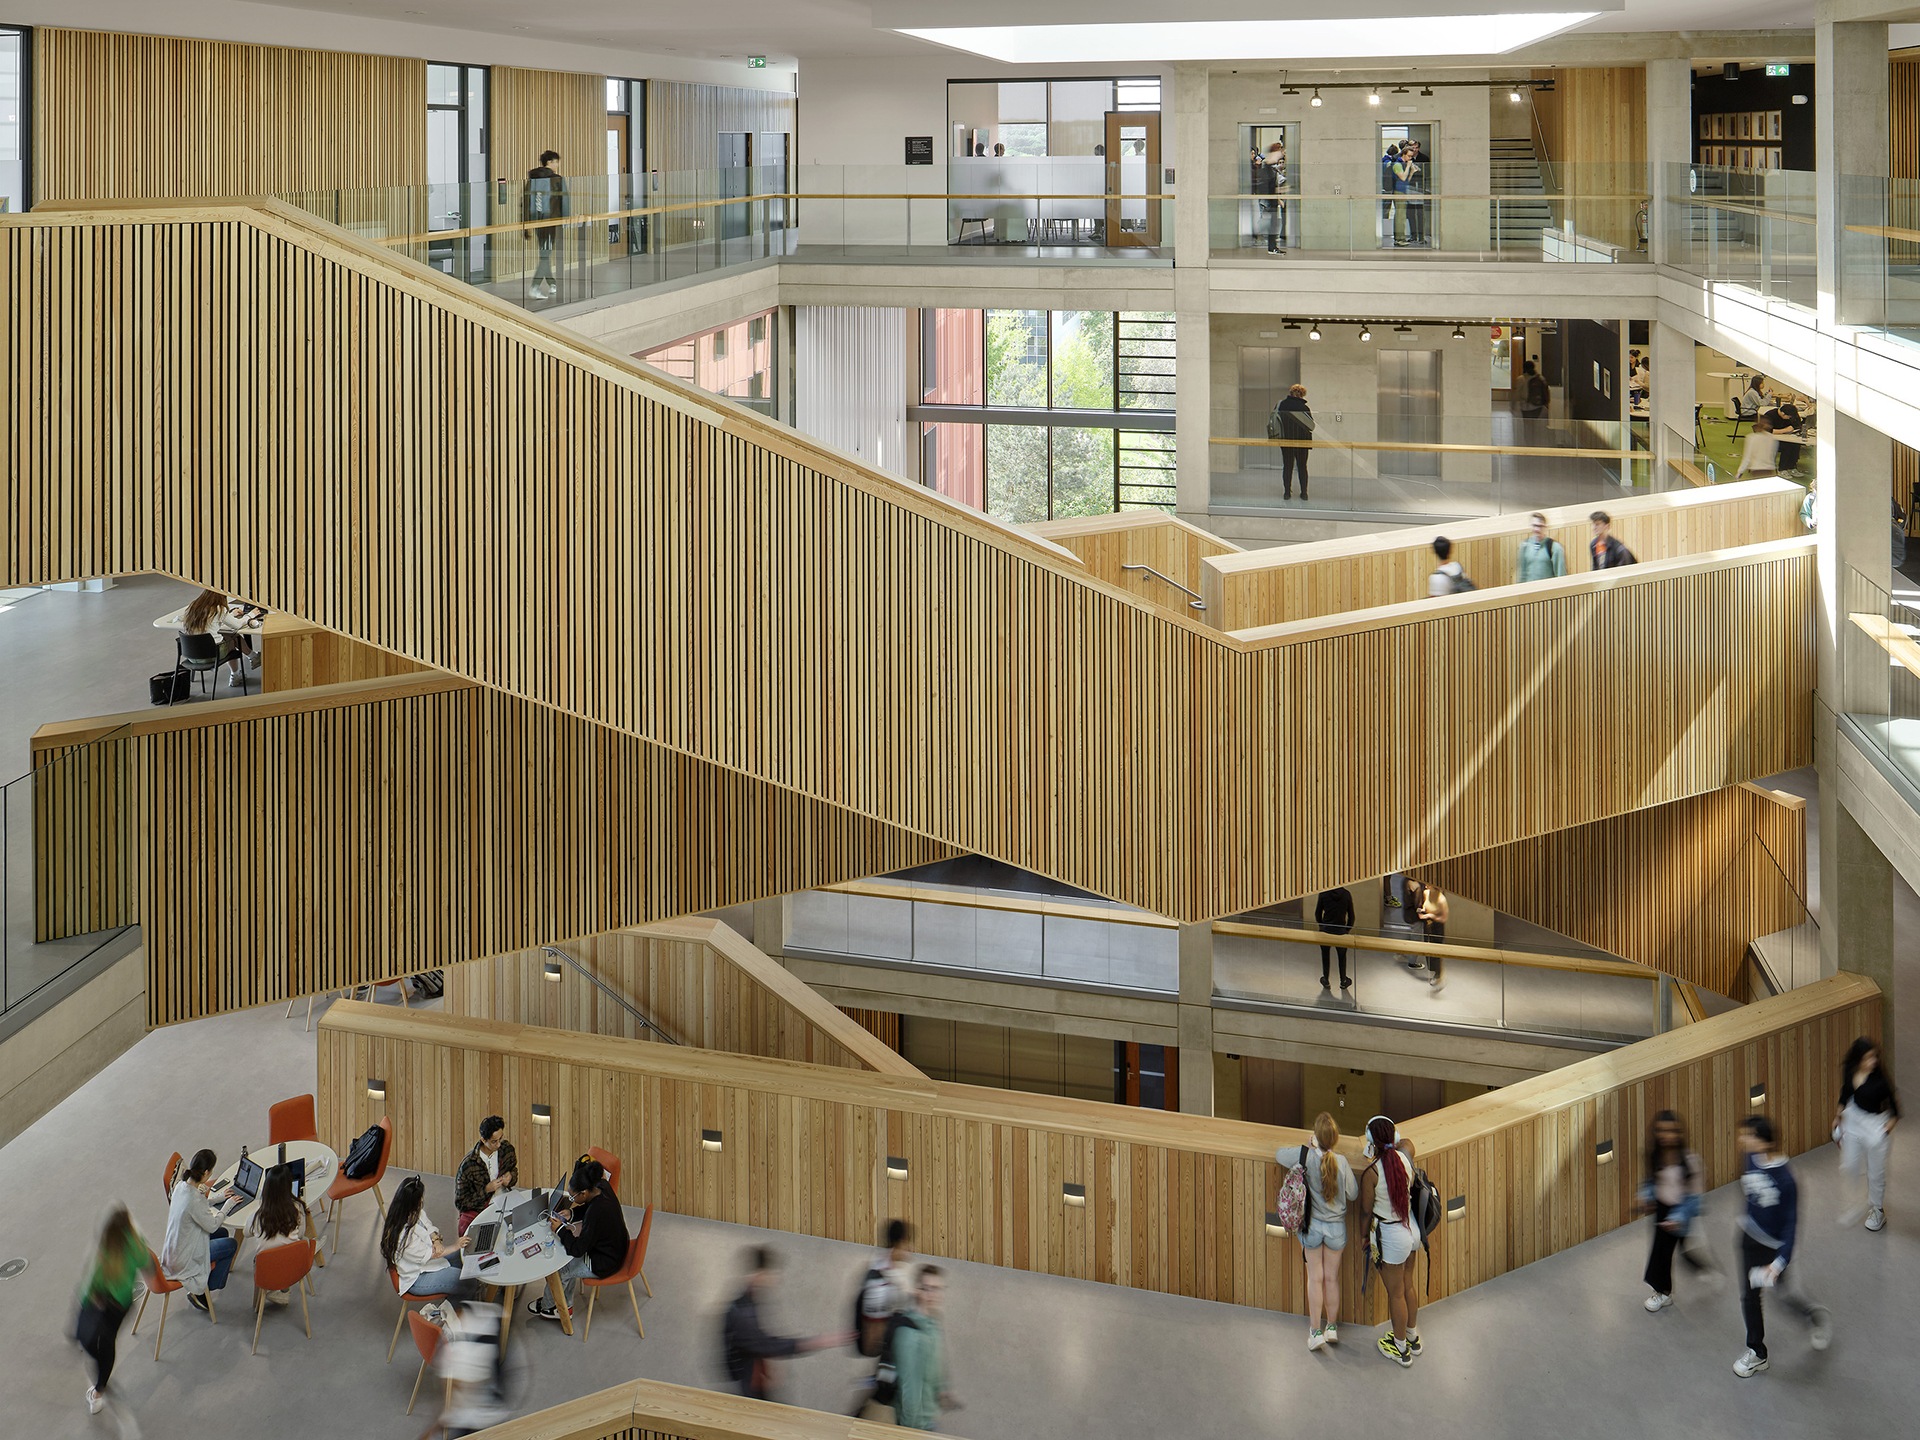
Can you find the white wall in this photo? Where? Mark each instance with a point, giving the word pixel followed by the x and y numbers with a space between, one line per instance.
pixel 850 386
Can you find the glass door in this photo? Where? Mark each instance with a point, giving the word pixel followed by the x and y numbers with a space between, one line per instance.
pixel 1133 171
pixel 1275 223
pixel 456 196
pixel 1407 169
pixel 734 157
pixel 770 177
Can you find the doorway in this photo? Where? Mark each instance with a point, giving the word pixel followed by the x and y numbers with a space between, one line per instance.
pixel 1133 172
pixel 1149 1076
pixel 770 177
pixel 1405 221
pixel 457 167
pixel 734 157
pixel 1265 376
pixel 1409 410
pixel 1282 222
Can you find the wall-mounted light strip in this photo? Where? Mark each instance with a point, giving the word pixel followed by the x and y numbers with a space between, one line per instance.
pixel 1603 1153
pixel 1757 1095
pixel 543 1114
pixel 1073 1194
pixel 1457 1208
pixel 1274 1227
pixel 896 1167
pixel 710 1140
pixel 553 970
pixel 376 1089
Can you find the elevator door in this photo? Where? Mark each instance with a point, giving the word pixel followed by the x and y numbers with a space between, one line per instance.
pixel 734 158
pixel 1409 409
pixel 1265 375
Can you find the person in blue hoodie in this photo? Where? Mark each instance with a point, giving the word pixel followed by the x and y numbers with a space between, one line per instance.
pixel 1767 1229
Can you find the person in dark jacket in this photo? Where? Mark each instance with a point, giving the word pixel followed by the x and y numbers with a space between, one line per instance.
pixel 1269 175
pixel 1607 551
pixel 594 1234
pixel 490 1167
pixel 1333 913
pixel 1768 1228
pixel 747 1346
pixel 546 199
pixel 1296 423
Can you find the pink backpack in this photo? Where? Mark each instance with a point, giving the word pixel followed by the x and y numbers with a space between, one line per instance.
pixel 1292 1207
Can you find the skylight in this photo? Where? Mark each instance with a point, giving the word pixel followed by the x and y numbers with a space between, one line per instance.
pixel 1292 40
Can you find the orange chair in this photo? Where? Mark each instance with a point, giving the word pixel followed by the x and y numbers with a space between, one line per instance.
pixel 159 1284
pixel 426 1339
pixel 610 1163
pixel 393 1279
pixel 342 1190
pixel 635 1266
pixel 171 1174
pixel 292 1120
pixel 281 1267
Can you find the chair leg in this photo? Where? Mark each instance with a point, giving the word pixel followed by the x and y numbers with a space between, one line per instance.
pixel 333 1221
pixel 145 1295
pixel 212 1319
pixel 416 1385
pixel 290 1004
pixel 381 1201
pixel 636 1311
pixel 593 1294
pixel 164 1299
pixel 396 1332
pixel 259 1314
pixel 306 1316
pixel 643 1281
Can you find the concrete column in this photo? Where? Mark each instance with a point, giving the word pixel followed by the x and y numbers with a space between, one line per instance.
pixel 1850 136
pixel 1669 141
pixel 1672 401
pixel 1196 1019
pixel 770 925
pixel 1856 908
pixel 1192 342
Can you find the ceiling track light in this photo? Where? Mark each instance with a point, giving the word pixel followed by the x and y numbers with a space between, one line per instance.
pixel 1427 90
pixel 1400 90
pixel 1314 333
pixel 1366 334
pixel 1514 96
pixel 1290 90
pixel 1373 97
pixel 1316 101
pixel 1458 333
pixel 1291 325
pixel 1403 329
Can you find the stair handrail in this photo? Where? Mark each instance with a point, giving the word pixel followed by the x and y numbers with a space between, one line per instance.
pixel 605 989
pixel 1538 135
pixel 1196 603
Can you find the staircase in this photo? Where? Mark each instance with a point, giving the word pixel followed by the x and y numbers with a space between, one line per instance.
pixel 1515 173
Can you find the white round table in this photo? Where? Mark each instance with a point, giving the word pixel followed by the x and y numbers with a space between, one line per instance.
pixel 322 1165
pixel 517 1268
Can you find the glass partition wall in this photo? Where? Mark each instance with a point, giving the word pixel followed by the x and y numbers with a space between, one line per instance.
pixel 13 120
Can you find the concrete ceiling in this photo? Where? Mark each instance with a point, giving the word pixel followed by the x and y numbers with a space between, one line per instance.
pixel 798 30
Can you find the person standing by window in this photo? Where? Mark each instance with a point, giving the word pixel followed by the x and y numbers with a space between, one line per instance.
pixel 546 200
pixel 1410 178
pixel 1864 1119
pixel 1269 175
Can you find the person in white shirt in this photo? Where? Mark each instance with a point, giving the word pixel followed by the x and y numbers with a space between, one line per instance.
pixel 1762 453
pixel 1755 399
pixel 1449 579
pixel 197 1252
pixel 410 1244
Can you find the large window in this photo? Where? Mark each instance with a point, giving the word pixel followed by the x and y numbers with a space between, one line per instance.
pixel 13 119
pixel 1016 118
pixel 739 361
pixel 1035 415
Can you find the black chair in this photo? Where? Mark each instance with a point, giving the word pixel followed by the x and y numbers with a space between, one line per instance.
pixel 198 655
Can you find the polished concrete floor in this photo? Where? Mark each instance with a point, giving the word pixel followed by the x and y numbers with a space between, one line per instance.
pixel 1561 1348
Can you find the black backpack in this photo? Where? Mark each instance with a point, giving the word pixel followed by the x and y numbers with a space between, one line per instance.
pixel 1461 584
pixel 363 1156
pixel 869 1338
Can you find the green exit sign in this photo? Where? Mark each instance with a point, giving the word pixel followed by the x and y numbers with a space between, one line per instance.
pixel 1779 69
pixel 759 62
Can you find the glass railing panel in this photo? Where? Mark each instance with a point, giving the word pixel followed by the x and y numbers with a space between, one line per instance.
pixel 1753 228
pixel 1881 670
pixel 65 866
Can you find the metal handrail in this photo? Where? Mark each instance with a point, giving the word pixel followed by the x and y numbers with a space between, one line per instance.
pixel 609 992
pixel 1194 604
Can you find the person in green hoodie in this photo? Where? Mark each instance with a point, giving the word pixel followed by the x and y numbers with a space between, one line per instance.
pixel 920 1356
pixel 1541 556
pixel 112 1281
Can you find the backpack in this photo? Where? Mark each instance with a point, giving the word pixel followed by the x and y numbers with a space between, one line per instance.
pixel 870 1336
pixel 1293 1206
pixel 1276 427
pixel 539 198
pixel 1461 584
pixel 363 1156
pixel 170 687
pixel 1538 396
pixel 886 1375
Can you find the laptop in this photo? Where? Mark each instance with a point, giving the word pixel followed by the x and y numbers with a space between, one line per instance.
pixel 484 1234
pixel 247 1180
pixel 528 1212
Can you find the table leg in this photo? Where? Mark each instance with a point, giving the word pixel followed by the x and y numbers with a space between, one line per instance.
pixel 559 1295
pixel 509 1296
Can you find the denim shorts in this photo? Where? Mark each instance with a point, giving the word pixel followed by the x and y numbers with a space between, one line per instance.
pixel 1397 1242
pixel 1330 1233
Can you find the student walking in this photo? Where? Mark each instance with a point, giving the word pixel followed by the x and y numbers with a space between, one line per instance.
pixel 546 200
pixel 1331 1188
pixel 1448 578
pixel 921 1395
pixel 1768 1228
pixel 885 1291
pixel 1386 1191
pixel 1672 1192
pixel 1541 556
pixel 1606 549
pixel 1863 1120
pixel 111 1283
pixel 747 1347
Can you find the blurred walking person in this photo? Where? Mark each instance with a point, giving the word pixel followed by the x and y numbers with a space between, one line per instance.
pixel 747 1346
pixel 111 1283
pixel 1768 1228
pixel 1331 1188
pixel 1672 1190
pixel 885 1290
pixel 921 1395
pixel 1863 1121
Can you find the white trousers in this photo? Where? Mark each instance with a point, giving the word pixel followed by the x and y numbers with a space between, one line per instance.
pixel 1864 1140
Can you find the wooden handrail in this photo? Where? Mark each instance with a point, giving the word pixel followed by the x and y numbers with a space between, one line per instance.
pixel 1714 202
pixel 1432 447
pixel 1899 645
pixel 1886 232
pixel 1384 195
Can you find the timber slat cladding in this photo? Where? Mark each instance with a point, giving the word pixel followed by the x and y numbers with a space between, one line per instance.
pixel 249 398
pixel 1174 1203
pixel 1683 887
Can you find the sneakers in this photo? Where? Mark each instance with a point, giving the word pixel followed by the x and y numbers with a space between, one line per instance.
pixel 1749 1365
pixel 1414 1347
pixel 95 1401
pixel 1395 1351
pixel 1658 1302
pixel 279 1297
pixel 1822 1327
pixel 1315 1339
pixel 1876 1219
pixel 543 1309
pixel 199 1302
pixel 1331 1334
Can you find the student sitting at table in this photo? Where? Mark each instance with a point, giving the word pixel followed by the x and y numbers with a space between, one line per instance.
pixel 197 1251
pixel 595 1235
pixel 490 1167
pixel 208 615
pixel 282 1219
pixel 411 1245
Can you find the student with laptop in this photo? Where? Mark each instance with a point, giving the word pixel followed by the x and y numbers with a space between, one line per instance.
pixel 282 1219
pixel 197 1251
pixel 411 1245
pixel 592 1229
pixel 490 1167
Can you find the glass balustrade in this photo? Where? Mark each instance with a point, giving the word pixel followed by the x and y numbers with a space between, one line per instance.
pixel 1751 228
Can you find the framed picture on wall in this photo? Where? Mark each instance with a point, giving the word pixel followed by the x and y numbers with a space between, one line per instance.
pixel 1746 158
pixel 1745 123
pixel 1773 124
pixel 1706 127
pixel 1719 126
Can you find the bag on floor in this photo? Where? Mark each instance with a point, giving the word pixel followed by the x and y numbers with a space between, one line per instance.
pixel 430 984
pixel 169 687
pixel 363 1156
pixel 1290 1207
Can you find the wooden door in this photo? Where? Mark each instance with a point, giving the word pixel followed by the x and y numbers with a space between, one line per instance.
pixel 1133 169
